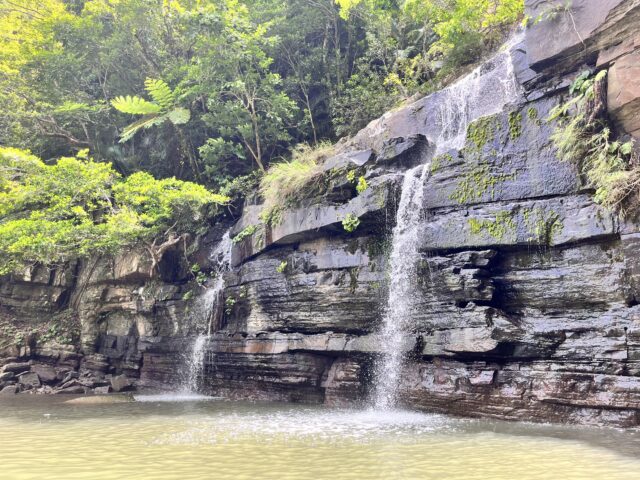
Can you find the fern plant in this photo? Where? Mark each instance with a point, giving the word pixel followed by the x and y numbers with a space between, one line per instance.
pixel 583 137
pixel 164 107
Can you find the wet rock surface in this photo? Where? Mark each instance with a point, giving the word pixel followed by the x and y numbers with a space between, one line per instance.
pixel 527 291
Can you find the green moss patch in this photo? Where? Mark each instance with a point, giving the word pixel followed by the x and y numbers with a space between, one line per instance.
pixel 497 228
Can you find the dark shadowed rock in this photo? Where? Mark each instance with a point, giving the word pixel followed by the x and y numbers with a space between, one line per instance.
pixel 46 373
pixel 16 367
pixel 29 380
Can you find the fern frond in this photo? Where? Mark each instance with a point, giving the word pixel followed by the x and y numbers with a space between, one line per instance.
pixel 135 105
pixel 160 93
pixel 145 122
pixel 179 116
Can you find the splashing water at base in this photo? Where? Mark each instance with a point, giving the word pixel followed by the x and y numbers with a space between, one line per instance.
pixel 485 91
pixel 230 441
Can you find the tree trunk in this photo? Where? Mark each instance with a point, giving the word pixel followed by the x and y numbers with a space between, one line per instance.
pixel 256 134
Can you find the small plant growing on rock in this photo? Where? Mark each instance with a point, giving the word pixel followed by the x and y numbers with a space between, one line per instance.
pixel 583 136
pixel 532 115
pixel 350 222
pixel 362 185
pixel 288 182
pixel 246 232
pixel 188 295
pixel 282 267
pixel 515 125
pixel 229 303
pixel 199 276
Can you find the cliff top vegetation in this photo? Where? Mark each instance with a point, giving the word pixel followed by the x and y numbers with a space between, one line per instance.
pixel 204 91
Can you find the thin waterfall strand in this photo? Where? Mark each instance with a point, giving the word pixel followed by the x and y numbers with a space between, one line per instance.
pixel 485 91
pixel 209 308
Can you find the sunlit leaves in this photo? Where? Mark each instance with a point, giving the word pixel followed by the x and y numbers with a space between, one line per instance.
pixel 160 93
pixel 77 207
pixel 164 107
pixel 179 116
pixel 135 105
pixel 455 20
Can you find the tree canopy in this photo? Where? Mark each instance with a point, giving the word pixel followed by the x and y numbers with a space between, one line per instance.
pixel 210 91
pixel 241 81
pixel 77 207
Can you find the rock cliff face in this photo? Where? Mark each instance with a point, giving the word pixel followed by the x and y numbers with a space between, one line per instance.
pixel 527 298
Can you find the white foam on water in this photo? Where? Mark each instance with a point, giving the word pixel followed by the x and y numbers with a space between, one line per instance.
pixel 309 425
pixel 174 397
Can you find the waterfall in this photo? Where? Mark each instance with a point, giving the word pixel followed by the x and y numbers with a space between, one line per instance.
pixel 402 264
pixel 195 363
pixel 485 91
pixel 208 310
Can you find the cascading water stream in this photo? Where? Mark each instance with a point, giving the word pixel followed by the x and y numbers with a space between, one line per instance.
pixel 209 308
pixel 403 273
pixel 485 91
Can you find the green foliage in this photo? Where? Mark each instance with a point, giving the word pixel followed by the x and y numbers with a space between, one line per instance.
pixel 199 276
pixel 481 132
pixel 584 138
pixel 229 303
pixel 415 46
pixel 365 97
pixel 242 186
pixel 162 109
pixel 550 13
pixel 288 181
pixel 161 94
pixel 439 160
pixel 350 222
pixel 462 25
pixel 135 105
pixel 543 225
pixel 362 185
pixel 245 233
pixel 188 295
pixel 282 267
pixel 63 329
pixel 77 207
pixel 222 87
pixel 532 115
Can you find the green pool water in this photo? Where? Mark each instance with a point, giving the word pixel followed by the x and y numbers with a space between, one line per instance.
pixel 185 438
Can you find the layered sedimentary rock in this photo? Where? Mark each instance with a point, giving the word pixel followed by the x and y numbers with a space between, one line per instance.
pixel 527 292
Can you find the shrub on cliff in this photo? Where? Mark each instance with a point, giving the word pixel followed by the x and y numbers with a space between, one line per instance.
pixel 583 136
pixel 285 182
pixel 76 207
